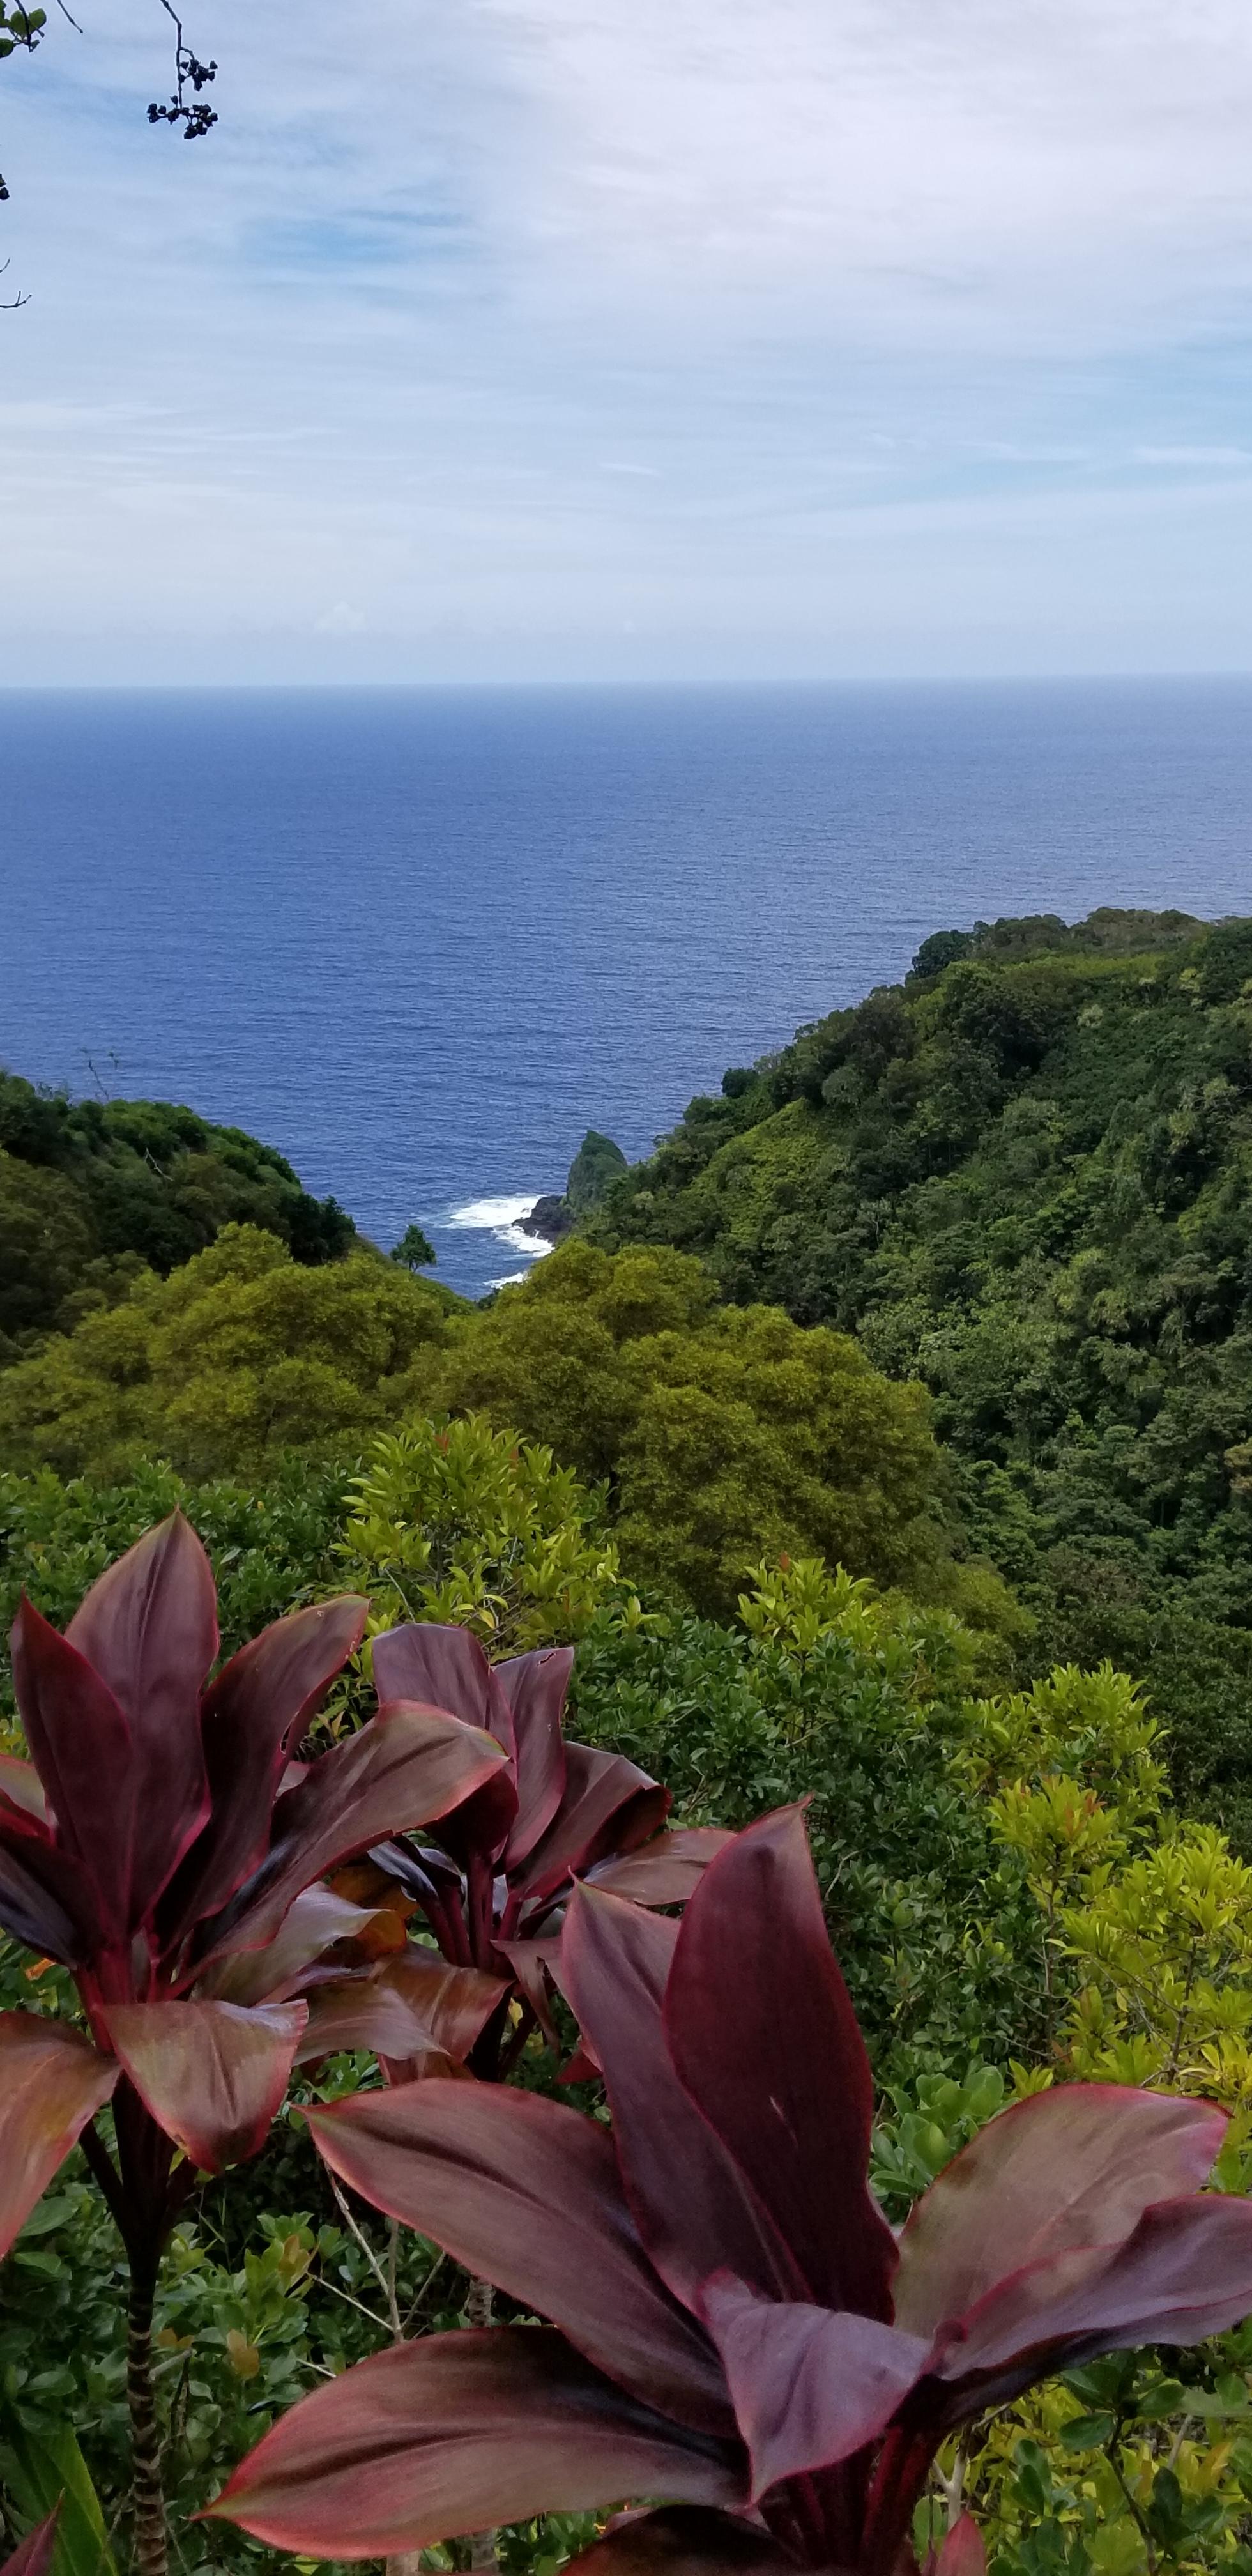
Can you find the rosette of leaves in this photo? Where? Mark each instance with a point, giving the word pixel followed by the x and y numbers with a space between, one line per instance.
pixel 493 1885
pixel 735 2329
pixel 164 1849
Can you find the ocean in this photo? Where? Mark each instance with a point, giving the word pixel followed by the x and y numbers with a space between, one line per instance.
pixel 420 940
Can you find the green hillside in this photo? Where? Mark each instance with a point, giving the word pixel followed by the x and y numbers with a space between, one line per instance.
pixel 94 1192
pixel 1025 1177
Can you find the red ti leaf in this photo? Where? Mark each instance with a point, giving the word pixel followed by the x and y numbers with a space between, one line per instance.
pixel 401 2009
pixel 317 1922
pixel 148 1627
pixel 46 1900
pixel 666 1871
pixel 21 1786
pixel 693 2206
pixel 407 1766
pixel 455 2432
pixel 212 2075
pixel 1073 2167
pixel 765 2040
pixel 535 1687
pixel 435 1667
pixel 683 2540
pixel 83 1753
pixel 51 2083
pixel 525 2192
pixel 33 2556
pixel 607 1801
pixel 809 2385
pixel 1183 2274
pixel 258 1708
pixel 960 2552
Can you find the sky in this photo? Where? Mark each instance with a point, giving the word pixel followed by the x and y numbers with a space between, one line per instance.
pixel 630 339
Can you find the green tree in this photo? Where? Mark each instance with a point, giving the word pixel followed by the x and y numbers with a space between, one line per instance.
pixel 722 1434
pixel 238 1356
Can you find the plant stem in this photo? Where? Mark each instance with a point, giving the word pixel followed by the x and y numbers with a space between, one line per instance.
pixel 148 2503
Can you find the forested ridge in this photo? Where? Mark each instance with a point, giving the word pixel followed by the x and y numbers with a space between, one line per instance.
pixel 1024 1177
pixel 94 1191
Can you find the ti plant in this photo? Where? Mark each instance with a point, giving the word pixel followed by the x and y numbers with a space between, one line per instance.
pixel 164 1848
pixel 735 2329
pixel 494 1885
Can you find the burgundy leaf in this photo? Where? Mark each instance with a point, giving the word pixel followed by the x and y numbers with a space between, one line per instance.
pixel 316 1922
pixel 401 2009
pixel 1183 2274
pixel 33 2556
pixel 532 1962
pixel 809 2385
pixel 260 1705
pixel 149 1628
pixel 52 2081
pixel 526 2192
pixel 45 1899
pixel 1073 2167
pixel 212 2075
pixel 407 1766
pixel 685 2540
pixel 535 1687
pixel 455 2432
pixel 665 1871
pixel 21 1786
pixel 693 2206
pixel 608 1804
pixel 960 2552
pixel 765 2040
pixel 83 1754
pixel 436 1667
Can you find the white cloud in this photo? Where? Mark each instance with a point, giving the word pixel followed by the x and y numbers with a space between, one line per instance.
pixel 340 620
pixel 500 325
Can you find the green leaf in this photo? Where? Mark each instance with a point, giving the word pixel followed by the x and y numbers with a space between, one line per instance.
pixel 1087 2432
pixel 45 2467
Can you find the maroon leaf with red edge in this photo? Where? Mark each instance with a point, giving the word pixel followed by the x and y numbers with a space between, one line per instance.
pixel 960 2552
pixel 1183 2274
pixel 45 1898
pixel 407 1766
pixel 525 2192
pixel 82 1748
pixel 535 1686
pixel 435 1667
pixel 456 2432
pixel 149 1628
pixel 258 1708
pixel 684 2540
pixel 33 2556
pixel 665 1871
pixel 21 1786
pixel 764 2039
pixel 693 2206
pixel 318 1921
pixel 51 2083
pixel 1073 2167
pixel 212 2075
pixel 400 2009
pixel 809 2385
pixel 607 1802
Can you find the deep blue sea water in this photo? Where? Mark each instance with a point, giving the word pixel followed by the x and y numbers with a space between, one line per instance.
pixel 420 940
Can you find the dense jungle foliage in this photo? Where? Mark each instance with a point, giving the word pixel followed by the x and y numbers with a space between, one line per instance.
pixel 1024 1178
pixel 718 1433
pixel 884 1443
pixel 93 1192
